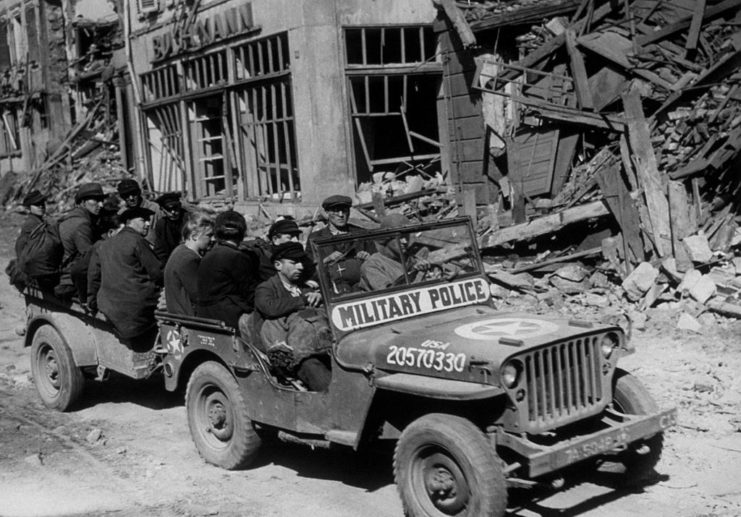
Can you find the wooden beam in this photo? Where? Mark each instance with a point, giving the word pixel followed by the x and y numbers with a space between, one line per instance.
pixel 458 20
pixel 546 224
pixel 695 25
pixel 686 22
pixel 579 73
pixel 647 172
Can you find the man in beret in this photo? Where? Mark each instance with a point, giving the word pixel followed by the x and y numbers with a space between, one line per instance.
pixel 124 281
pixel 168 229
pixel 78 231
pixel 131 194
pixel 294 333
pixel 227 275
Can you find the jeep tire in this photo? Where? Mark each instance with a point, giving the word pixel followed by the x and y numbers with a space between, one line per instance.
pixel 58 380
pixel 631 397
pixel 445 465
pixel 218 418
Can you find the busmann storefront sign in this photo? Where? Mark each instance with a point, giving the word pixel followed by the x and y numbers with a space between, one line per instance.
pixel 203 32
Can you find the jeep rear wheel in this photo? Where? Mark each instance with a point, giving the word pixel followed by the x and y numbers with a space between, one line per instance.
pixel 631 397
pixel 445 465
pixel 218 418
pixel 57 378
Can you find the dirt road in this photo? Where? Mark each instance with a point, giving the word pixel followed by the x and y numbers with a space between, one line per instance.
pixel 127 451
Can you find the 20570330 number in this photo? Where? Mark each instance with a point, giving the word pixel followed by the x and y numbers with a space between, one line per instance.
pixel 425 358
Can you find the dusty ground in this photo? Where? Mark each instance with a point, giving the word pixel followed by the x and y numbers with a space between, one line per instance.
pixel 127 451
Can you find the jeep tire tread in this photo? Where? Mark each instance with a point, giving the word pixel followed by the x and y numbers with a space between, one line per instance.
pixel 218 418
pixel 58 380
pixel 445 465
pixel 631 397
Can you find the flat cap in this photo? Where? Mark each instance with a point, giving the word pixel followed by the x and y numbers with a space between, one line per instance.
pixel 34 198
pixel 169 199
pixel 288 226
pixel 132 213
pixel 128 186
pixel 88 191
pixel 288 250
pixel 336 201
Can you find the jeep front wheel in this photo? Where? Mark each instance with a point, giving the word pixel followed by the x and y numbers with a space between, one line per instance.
pixel 58 380
pixel 631 397
pixel 445 465
pixel 218 418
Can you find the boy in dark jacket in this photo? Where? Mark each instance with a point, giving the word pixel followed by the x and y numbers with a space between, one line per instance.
pixel 295 335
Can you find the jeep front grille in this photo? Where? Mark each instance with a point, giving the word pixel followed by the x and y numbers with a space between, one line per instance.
pixel 564 382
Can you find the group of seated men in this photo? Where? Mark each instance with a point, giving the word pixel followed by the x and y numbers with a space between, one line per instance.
pixel 117 259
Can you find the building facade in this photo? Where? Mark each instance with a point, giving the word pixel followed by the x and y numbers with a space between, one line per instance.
pixel 284 101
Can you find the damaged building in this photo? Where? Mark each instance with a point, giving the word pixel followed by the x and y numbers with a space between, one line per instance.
pixel 285 102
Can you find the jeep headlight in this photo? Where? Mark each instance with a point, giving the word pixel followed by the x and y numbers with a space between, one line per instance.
pixel 608 343
pixel 510 374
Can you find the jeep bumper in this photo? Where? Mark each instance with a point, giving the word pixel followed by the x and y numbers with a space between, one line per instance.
pixel 621 432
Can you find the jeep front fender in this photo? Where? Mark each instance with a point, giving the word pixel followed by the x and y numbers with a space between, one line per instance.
pixel 436 388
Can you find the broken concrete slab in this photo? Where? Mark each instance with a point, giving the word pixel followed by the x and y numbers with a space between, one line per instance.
pixel 687 322
pixel 640 281
pixel 698 248
pixel 700 287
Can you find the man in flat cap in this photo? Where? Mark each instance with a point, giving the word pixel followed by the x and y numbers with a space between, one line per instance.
pixel 35 202
pixel 168 229
pixel 124 280
pixel 78 232
pixel 337 209
pixel 281 231
pixel 131 194
pixel 294 333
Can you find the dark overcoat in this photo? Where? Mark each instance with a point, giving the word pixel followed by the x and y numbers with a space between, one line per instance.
pixel 130 277
pixel 227 277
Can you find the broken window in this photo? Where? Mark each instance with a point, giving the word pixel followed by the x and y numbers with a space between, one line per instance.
pixel 209 130
pixel 10 140
pixel 17 41
pixel 266 118
pixel 166 148
pixel 206 71
pixel 393 85
pixel 160 83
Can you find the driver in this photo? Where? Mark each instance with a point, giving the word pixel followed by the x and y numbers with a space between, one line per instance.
pixel 385 267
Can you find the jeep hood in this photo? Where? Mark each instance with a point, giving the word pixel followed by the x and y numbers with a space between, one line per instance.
pixel 468 343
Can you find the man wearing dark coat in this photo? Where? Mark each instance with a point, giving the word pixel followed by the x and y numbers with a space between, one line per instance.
pixel 294 333
pixel 168 230
pixel 227 275
pixel 131 194
pixel 77 231
pixel 35 202
pixel 129 277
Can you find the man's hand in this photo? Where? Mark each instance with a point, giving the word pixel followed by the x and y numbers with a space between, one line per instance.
pixel 314 299
pixel 362 255
pixel 333 257
pixel 313 284
pixel 421 264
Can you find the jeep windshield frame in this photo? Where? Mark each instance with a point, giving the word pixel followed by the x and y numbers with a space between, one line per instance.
pixel 420 256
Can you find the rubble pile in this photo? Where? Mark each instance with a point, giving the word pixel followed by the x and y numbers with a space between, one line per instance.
pixel 89 153
pixel 643 98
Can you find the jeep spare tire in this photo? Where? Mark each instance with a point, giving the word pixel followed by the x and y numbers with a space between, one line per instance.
pixel 58 380
pixel 218 418
pixel 445 465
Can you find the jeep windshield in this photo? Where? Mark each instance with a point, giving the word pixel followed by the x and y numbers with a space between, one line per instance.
pixel 381 275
